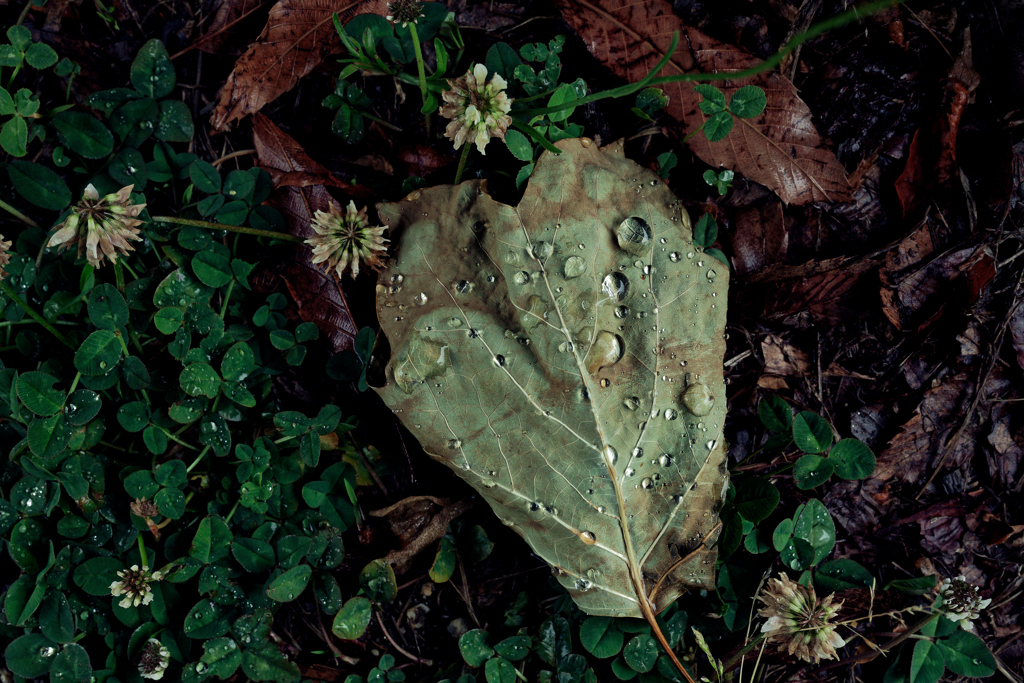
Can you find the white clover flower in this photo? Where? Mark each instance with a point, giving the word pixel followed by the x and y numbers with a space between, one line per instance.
pixel 135 586
pixel 960 602
pixel 798 621
pixel 404 12
pixel 5 258
pixel 100 227
pixel 478 109
pixel 342 240
pixel 154 660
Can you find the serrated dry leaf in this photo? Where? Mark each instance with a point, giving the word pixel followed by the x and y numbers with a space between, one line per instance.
pixel 780 149
pixel 318 295
pixel 549 360
pixel 298 36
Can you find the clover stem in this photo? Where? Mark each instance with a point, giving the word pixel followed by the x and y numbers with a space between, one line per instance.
pixel 414 34
pixel 142 551
pixel 13 296
pixel 17 214
pixel 198 459
pixel 230 228
pixel 462 162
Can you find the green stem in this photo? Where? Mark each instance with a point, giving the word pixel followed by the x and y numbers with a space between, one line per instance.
pixel 174 437
pixel 230 228
pixel 74 383
pixel 142 551
pixel 421 71
pixel 462 161
pixel 11 294
pixel 119 281
pixel 17 214
pixel 195 462
pixel 227 520
pixel 379 120
pixel 735 659
pixel 650 80
pixel 227 299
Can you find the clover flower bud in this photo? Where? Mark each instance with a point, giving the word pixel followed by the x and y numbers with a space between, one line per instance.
pixel 342 240
pixel 961 602
pixel 135 586
pixel 154 660
pixel 798 621
pixel 478 109
pixel 101 228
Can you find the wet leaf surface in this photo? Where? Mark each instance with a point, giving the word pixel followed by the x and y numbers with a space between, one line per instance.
pixel 551 364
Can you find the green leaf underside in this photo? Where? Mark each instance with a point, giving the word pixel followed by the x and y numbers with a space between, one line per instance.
pixel 554 367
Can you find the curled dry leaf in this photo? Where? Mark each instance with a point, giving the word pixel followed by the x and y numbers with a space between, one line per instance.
pixel 298 36
pixel 565 358
pixel 418 521
pixel 318 295
pixel 780 149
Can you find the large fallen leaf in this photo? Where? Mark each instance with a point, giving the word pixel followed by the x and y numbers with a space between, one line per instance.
pixel 780 149
pixel 565 358
pixel 317 294
pixel 298 36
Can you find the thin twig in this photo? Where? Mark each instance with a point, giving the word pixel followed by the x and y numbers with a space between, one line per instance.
pixel 408 655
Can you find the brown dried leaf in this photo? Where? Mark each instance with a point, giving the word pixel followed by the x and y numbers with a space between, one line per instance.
pixel 780 148
pixel 298 36
pixel 932 159
pixel 418 521
pixel 224 24
pixel 319 296
pixel 760 237
pixel 924 437
pixel 927 288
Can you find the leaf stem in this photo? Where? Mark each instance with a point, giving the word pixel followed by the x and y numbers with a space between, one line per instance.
pixel 198 459
pixel 414 34
pixel 462 162
pixel 142 551
pixel 12 295
pixel 230 228
pixel 17 214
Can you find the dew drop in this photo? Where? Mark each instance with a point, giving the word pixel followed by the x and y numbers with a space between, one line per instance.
pixel 610 455
pixel 631 403
pixel 463 286
pixel 521 278
pixel 499 360
pixel 674 257
pixel 622 312
pixel 615 286
pixel 629 472
pixel 647 483
pixel 665 460
pixel 454 443
pixel 588 537
pixel 670 414
pixel 698 399
pixel 454 322
pixel 574 267
pixel 638 452
pixel 420 299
